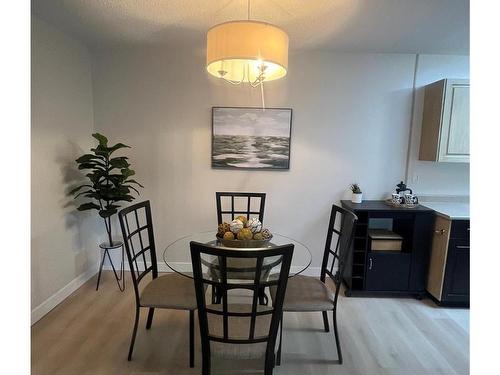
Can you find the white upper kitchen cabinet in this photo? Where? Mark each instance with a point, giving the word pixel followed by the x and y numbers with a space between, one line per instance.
pixel 445 122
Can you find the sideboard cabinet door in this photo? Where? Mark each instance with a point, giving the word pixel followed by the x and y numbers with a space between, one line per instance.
pixel 387 271
pixel 456 286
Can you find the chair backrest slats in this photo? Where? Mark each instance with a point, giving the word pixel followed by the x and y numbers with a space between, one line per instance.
pixel 248 205
pixel 145 273
pixel 258 271
pixel 236 211
pixel 140 237
pixel 134 240
pixel 225 318
pixel 139 253
pixel 221 330
pixel 342 247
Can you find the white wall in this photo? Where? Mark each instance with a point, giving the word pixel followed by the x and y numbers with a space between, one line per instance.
pixel 63 245
pixel 351 116
pixel 426 177
pixel 351 122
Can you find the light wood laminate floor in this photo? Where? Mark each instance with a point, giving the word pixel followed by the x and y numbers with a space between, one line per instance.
pixel 89 333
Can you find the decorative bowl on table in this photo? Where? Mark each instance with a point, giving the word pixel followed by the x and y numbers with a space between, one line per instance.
pixel 243 233
pixel 244 243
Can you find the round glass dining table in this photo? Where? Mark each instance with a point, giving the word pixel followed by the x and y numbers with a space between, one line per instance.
pixel 177 252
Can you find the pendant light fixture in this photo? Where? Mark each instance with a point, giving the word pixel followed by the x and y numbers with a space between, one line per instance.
pixel 247 52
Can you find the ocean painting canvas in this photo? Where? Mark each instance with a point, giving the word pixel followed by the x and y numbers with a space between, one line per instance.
pixel 251 138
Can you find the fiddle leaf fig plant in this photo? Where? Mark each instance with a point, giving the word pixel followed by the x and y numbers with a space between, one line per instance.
pixel 109 182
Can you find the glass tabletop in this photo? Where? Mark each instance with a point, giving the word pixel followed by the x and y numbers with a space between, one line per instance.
pixel 176 254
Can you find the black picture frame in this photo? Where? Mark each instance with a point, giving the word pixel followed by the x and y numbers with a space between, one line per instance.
pixel 278 164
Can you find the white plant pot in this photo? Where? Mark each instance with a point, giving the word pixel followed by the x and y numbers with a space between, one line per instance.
pixel 357 198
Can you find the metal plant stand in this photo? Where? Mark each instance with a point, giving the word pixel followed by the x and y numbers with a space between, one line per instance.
pixel 106 247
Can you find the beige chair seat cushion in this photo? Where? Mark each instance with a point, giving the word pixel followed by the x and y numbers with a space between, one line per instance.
pixel 171 291
pixel 238 328
pixel 305 293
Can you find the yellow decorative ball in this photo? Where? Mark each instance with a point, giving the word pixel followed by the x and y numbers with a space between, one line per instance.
pixel 228 236
pixel 243 219
pixel 258 236
pixel 245 234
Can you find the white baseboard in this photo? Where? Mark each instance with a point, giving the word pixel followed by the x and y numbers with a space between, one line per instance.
pixel 42 309
pixel 162 267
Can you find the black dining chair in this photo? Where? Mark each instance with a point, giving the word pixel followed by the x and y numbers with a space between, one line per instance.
pixel 235 210
pixel 236 328
pixel 231 205
pixel 306 293
pixel 171 291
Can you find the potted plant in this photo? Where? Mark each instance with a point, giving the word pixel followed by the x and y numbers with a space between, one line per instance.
pixel 357 194
pixel 109 181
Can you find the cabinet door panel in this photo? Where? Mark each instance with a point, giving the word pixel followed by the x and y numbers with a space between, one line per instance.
pixel 458 139
pixel 387 272
pixel 457 277
pixel 439 255
pixel 454 138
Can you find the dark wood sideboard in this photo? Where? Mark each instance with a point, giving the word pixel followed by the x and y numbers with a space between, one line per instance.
pixel 388 272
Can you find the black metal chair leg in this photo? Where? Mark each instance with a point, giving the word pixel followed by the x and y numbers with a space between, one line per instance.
pixel 337 339
pixel 278 354
pixel 191 338
pixel 269 364
pixel 205 365
pixel 325 321
pixel 134 333
pixel 100 270
pixel 150 317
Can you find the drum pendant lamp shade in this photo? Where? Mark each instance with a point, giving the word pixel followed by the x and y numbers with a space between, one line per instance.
pixel 251 51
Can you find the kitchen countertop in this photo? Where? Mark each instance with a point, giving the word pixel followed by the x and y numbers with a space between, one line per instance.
pixel 380 205
pixel 450 210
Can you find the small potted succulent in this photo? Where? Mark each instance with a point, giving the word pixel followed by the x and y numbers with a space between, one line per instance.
pixel 357 194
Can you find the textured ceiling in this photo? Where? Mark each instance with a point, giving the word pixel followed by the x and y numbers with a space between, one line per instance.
pixel 397 26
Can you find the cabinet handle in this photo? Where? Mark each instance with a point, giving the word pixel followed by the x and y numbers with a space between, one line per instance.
pixel 440 231
pixel 463 247
pixel 371 264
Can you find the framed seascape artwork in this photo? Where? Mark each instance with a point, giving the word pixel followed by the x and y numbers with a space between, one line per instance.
pixel 251 138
